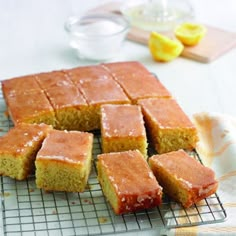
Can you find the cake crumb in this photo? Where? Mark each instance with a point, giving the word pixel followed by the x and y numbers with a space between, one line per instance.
pixel 88 186
pixel 6 113
pixel 54 212
pixel 88 201
pixel 5 194
pixel 102 220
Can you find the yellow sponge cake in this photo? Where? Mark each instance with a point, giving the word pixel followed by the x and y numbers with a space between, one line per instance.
pixel 136 80
pixel 20 85
pixel 18 149
pixel 122 129
pixel 31 108
pixel 52 79
pixel 99 92
pixel 64 161
pixel 88 73
pixel 127 181
pixel 182 177
pixel 169 127
pixel 71 109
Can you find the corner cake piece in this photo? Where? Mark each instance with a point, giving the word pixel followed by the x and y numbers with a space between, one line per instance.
pixel 18 149
pixel 136 80
pixel 182 177
pixel 64 161
pixel 169 127
pixel 20 85
pixel 88 73
pixel 31 108
pixel 122 129
pixel 71 109
pixel 127 181
pixel 99 92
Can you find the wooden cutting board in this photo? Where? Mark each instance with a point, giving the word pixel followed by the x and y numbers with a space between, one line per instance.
pixel 215 43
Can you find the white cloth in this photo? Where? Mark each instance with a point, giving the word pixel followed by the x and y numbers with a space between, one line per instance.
pixel 217 149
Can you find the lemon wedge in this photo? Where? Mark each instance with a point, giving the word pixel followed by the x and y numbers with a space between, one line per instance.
pixel 163 48
pixel 190 34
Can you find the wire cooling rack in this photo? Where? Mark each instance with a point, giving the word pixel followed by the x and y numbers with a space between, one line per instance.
pixel 26 210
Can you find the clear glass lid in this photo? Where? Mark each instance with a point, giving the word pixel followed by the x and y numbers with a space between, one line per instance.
pixel 157 15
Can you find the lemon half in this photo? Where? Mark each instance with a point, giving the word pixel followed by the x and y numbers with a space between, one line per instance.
pixel 163 48
pixel 190 34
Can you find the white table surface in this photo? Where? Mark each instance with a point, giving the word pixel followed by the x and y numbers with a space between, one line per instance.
pixel 32 39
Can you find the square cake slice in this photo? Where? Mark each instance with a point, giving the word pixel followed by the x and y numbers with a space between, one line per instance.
pixel 71 109
pixel 64 161
pixel 20 85
pixel 127 181
pixel 88 73
pixel 122 129
pixel 99 92
pixel 31 108
pixel 48 80
pixel 169 127
pixel 136 80
pixel 18 149
pixel 182 177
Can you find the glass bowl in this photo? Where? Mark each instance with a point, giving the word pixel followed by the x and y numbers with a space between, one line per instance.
pixel 97 36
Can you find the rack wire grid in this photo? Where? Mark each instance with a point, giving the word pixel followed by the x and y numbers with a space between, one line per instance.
pixel 26 210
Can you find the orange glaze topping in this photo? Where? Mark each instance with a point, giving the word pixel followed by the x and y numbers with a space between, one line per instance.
pixel 88 73
pixel 65 96
pixel 102 91
pixel 120 68
pixel 166 113
pixel 51 79
pixel 20 85
pixel 136 80
pixel 28 105
pixel 66 146
pixel 186 169
pixel 19 139
pixel 130 175
pixel 122 121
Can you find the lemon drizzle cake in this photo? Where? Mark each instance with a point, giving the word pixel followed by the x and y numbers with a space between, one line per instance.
pixel 71 109
pixel 136 80
pixel 99 92
pixel 20 85
pixel 64 161
pixel 127 181
pixel 87 73
pixel 31 108
pixel 168 126
pixel 122 129
pixel 18 149
pixel 48 80
pixel 182 177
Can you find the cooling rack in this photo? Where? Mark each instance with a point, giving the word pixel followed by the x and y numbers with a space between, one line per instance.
pixel 26 210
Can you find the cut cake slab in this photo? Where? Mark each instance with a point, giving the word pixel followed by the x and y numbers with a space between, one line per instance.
pixel 18 149
pixel 127 181
pixel 182 177
pixel 64 161
pixel 122 129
